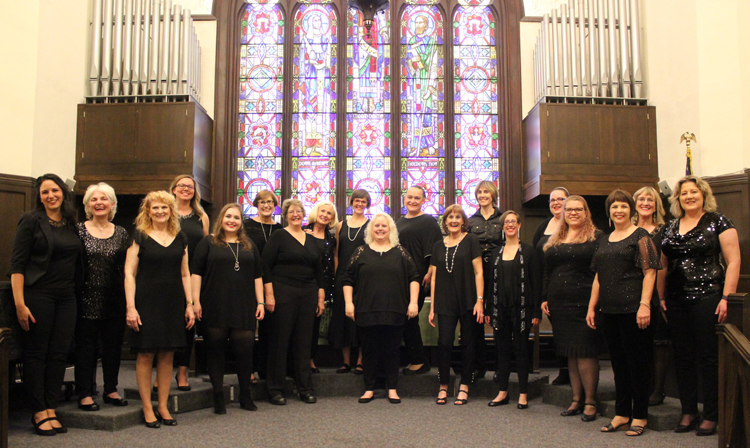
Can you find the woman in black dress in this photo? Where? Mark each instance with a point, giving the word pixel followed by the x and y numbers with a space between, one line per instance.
pixel 350 234
pixel 417 232
pixel 158 297
pixel 488 228
pixel 543 233
pixel 293 280
pixel 457 287
pixel 567 289
pixel 695 300
pixel 513 307
pixel 194 225
pixel 45 269
pixel 625 264
pixel 381 286
pixel 323 219
pixel 650 217
pixel 101 302
pixel 259 229
pixel 227 289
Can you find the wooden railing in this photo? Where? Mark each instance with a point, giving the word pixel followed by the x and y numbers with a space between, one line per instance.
pixel 734 374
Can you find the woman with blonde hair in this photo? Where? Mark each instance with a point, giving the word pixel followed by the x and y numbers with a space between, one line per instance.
pixel 565 298
pixel 381 288
pixel 159 299
pixel 228 293
pixel 701 252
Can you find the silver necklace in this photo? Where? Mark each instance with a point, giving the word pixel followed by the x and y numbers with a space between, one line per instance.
pixel 236 256
pixel 349 229
pixel 263 229
pixel 453 259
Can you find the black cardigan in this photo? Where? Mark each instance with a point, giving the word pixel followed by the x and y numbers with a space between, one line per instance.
pixel 31 249
pixel 532 273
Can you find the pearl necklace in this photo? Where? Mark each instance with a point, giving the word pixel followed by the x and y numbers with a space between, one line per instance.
pixel 453 259
pixel 236 255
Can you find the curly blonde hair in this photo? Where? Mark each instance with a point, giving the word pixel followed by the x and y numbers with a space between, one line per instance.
pixel 143 221
pixel 658 215
pixel 709 202
pixel 588 231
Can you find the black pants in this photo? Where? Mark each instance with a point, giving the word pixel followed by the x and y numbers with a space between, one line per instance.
pixel 293 322
pixel 693 330
pixel 446 334
pixel 380 348
pixel 510 339
pixel 88 333
pixel 46 345
pixel 242 346
pixel 182 357
pixel 413 336
pixel 260 353
pixel 315 337
pixel 630 349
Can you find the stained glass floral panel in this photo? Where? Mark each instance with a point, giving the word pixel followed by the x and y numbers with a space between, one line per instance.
pixel 429 173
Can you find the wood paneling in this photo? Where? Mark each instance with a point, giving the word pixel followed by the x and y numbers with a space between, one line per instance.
pixel 16 197
pixel 590 148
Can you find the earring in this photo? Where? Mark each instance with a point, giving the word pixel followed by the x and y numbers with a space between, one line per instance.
pixel 503 234
pixel 610 222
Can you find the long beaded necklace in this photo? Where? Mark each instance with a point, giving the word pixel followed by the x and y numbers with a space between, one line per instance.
pixel 349 229
pixel 236 255
pixel 453 259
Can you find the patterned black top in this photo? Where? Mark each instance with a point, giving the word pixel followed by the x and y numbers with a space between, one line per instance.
pixel 327 248
pixel 695 270
pixel 567 274
pixel 620 267
pixel 103 293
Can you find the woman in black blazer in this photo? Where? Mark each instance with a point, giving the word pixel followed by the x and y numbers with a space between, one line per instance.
pixel 45 269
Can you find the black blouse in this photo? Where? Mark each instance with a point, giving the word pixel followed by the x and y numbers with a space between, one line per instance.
pixel 192 227
pixel 488 231
pixel 417 235
pixel 287 261
pixel 327 248
pixel 695 270
pixel 227 295
pixel 620 266
pixel 259 233
pixel 567 274
pixel 456 291
pixel 381 282
pixel 103 292
pixel 507 293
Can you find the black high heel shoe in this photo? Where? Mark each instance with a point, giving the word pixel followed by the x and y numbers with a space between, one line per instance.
pixel 589 417
pixel 182 388
pixel 115 401
pixel 502 402
pixel 166 421
pixel 689 427
pixel 572 411
pixel 153 425
pixel 658 400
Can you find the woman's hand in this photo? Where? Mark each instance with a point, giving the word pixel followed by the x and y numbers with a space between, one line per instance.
pixel 590 319
pixel 545 308
pixel 479 311
pixel 133 319
pixel 721 311
pixel 321 307
pixel 535 321
pixel 24 316
pixel 260 312
pixel 270 303
pixel 189 317
pixel 412 311
pixel 487 320
pixel 432 317
pixel 643 316
pixel 198 310
pixel 349 310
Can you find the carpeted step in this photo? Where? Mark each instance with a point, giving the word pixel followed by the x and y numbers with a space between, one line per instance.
pixel 108 418
pixel 664 417
pixel 199 397
pixel 562 395
pixel 488 389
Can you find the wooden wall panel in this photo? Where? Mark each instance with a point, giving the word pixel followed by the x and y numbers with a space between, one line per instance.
pixel 16 197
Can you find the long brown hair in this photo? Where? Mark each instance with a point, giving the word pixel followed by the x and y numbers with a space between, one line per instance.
pixel 218 236
pixel 143 221
pixel 588 230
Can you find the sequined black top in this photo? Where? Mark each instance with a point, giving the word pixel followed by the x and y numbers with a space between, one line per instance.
pixel 103 292
pixel 567 274
pixel 620 266
pixel 695 270
pixel 327 248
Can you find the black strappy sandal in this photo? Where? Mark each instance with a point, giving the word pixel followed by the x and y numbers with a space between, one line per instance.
pixel 442 400
pixel 461 401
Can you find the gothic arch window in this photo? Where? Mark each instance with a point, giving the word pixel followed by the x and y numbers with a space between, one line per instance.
pixel 431 96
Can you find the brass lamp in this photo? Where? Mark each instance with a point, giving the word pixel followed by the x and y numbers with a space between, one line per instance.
pixel 369 8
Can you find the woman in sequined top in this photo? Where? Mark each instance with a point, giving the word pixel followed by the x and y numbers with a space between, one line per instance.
pixel 323 219
pixel 625 263
pixel 698 282
pixel 101 303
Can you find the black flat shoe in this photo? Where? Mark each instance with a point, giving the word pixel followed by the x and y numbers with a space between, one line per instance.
pixel 689 427
pixel 359 370
pixel 408 372
pixel 589 417
pixel 60 429
pixel 394 400
pixel 658 400
pixel 153 425
pixel 314 370
pixel 572 411
pixel 346 368
pixel 88 407
pixel 522 405
pixel 42 432
pixel 115 401
pixel 366 400
pixel 248 405
pixel 165 421
pixel 308 398
pixel 502 402
pixel 219 406
pixel 705 432
pixel 277 400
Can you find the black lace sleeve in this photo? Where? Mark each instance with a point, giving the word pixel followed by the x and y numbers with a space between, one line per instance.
pixel 413 274
pixel 350 275
pixel 647 257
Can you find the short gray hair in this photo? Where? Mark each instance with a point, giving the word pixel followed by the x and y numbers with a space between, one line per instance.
pixel 290 202
pixel 108 191
pixel 393 237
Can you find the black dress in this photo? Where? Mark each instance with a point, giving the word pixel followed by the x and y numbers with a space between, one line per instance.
pixel 567 289
pixel 192 227
pixel 227 296
pixel 259 233
pixel 456 291
pixel 159 295
pixel 342 331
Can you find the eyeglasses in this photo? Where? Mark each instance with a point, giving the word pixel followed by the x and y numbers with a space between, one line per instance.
pixel 265 202
pixel 295 212
pixel 556 200
pixel 185 187
pixel 577 211
pixel 510 223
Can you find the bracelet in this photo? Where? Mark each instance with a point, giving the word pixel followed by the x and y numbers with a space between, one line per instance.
pixel 646 304
pixel 725 298
pixel 190 302
pixel 480 298
pixel 662 300
pixel 262 303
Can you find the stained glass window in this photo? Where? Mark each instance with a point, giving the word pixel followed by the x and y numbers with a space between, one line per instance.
pixel 314 104
pixel 260 103
pixel 475 102
pixel 422 99
pixel 368 106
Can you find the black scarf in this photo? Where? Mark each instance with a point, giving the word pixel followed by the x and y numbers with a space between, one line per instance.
pixel 495 318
